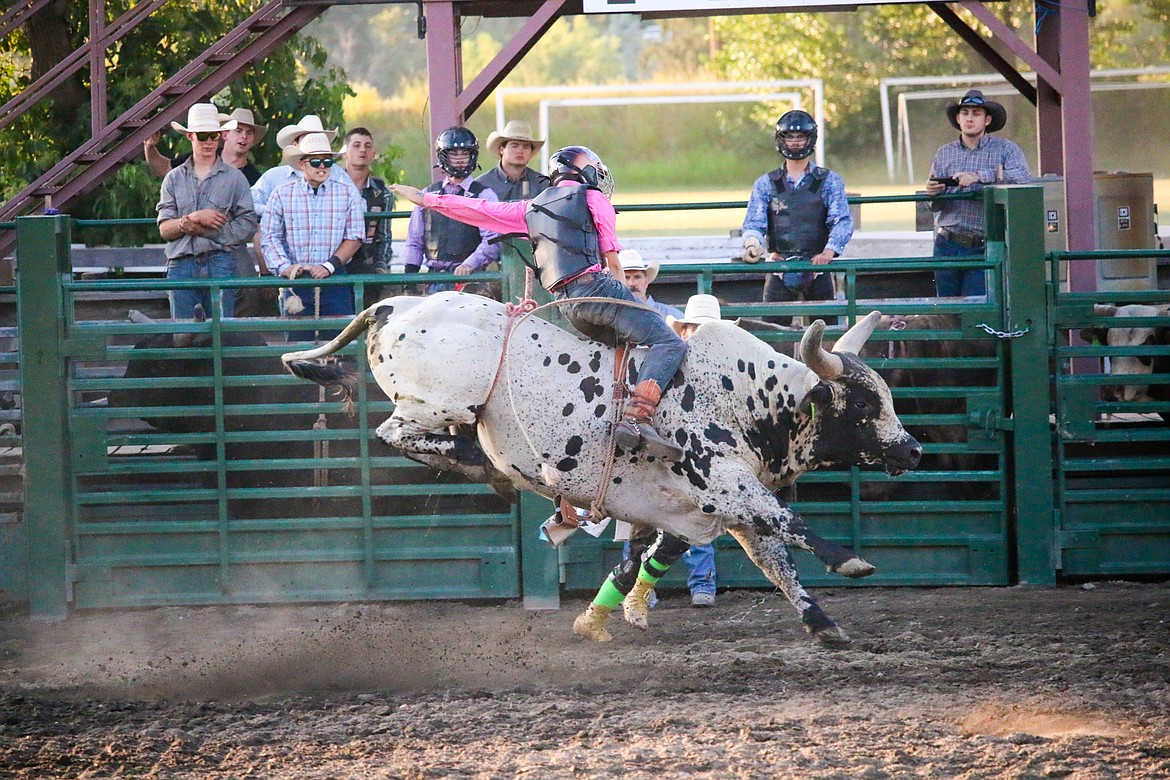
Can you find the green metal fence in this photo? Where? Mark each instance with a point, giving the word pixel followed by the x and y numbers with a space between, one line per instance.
pixel 1112 512
pixel 249 486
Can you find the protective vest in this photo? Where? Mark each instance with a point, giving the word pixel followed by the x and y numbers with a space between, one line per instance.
pixel 448 240
pixel 564 238
pixel 797 218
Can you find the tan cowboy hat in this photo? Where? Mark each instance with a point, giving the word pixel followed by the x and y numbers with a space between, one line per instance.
pixel 290 155
pixel 290 134
pixel 974 99
pixel 516 130
pixel 701 308
pixel 243 116
pixel 313 145
pixel 203 118
pixel 632 260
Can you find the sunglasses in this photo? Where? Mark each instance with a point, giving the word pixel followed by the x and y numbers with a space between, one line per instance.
pixel 318 162
pixel 208 136
pixel 972 100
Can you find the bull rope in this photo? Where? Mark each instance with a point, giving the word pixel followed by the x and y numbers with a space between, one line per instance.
pixel 517 313
pixel 320 446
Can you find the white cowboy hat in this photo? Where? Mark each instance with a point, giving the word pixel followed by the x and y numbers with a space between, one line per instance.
pixel 311 123
pixel 701 308
pixel 313 145
pixel 243 116
pixel 631 260
pixel 203 118
pixel 516 130
pixel 290 155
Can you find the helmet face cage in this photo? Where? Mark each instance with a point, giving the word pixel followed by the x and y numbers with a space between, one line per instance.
pixel 563 165
pixel 452 139
pixel 796 122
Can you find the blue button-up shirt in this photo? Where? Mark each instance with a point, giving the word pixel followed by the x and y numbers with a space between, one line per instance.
pixel 838 219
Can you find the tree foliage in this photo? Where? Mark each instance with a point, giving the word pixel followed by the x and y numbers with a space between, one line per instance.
pixel 853 51
pixel 295 80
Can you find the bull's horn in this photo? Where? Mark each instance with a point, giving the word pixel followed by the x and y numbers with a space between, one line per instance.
pixel 823 363
pixel 1104 309
pixel 200 315
pixel 138 318
pixel 854 338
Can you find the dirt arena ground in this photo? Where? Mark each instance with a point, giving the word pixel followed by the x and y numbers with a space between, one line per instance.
pixel 1067 682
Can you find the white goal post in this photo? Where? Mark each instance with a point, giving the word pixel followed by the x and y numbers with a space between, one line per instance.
pixel 784 90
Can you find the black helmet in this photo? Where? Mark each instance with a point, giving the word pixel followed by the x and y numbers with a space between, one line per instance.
pixel 457 138
pixel 796 122
pixel 563 164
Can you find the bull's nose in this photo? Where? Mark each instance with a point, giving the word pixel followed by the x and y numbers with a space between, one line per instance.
pixel 906 455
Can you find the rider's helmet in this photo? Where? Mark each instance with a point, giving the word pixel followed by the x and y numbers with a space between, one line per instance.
pixel 456 138
pixel 792 126
pixel 580 164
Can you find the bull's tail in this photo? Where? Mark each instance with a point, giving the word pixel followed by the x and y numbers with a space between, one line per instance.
pixel 300 364
pixel 330 376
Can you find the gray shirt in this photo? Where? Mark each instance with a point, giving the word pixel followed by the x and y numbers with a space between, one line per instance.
pixel 225 189
pixel 528 186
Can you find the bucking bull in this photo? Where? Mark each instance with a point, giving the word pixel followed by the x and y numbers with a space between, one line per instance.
pixel 750 420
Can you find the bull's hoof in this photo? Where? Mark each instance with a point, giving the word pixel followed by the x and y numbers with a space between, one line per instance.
pixel 636 605
pixel 591 624
pixel 833 636
pixel 822 628
pixel 855 569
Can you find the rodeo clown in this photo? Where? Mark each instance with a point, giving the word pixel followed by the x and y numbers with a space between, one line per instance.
pixel 572 226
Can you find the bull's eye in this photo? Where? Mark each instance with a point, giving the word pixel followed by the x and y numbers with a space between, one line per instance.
pixel 1146 361
pixel 862 405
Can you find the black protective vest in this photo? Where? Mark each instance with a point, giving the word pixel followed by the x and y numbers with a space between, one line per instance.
pixel 450 240
pixel 564 238
pixel 797 218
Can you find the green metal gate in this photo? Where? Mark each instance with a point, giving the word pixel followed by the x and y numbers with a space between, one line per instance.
pixel 248 487
pixel 1113 456
pixel 305 505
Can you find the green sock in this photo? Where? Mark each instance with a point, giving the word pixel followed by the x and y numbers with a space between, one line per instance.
pixel 652 571
pixel 609 596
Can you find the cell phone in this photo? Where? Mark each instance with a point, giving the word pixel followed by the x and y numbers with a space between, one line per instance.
pixel 946 181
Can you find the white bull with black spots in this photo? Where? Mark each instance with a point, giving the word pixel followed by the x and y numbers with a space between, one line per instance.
pixel 751 421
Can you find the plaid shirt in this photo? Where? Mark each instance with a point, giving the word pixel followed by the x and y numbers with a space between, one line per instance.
pixel 996 160
pixel 305 226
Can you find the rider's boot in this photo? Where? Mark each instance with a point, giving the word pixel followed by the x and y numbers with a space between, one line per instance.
pixel 635 427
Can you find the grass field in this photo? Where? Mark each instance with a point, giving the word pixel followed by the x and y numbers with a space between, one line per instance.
pixel 874 216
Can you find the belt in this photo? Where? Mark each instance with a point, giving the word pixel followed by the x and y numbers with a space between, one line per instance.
pixel 962 239
pixel 581 277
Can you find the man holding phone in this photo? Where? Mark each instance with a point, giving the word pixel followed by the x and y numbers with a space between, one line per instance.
pixel 968 164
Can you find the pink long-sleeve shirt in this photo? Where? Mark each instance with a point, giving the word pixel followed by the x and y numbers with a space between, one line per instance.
pixel 508 217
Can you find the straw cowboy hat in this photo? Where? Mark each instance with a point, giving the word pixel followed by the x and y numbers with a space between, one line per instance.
pixel 243 116
pixel 516 130
pixel 289 134
pixel 203 118
pixel 974 99
pixel 700 308
pixel 313 145
pixel 631 260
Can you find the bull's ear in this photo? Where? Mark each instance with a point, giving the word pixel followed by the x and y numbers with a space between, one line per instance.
pixel 1095 335
pixel 819 394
